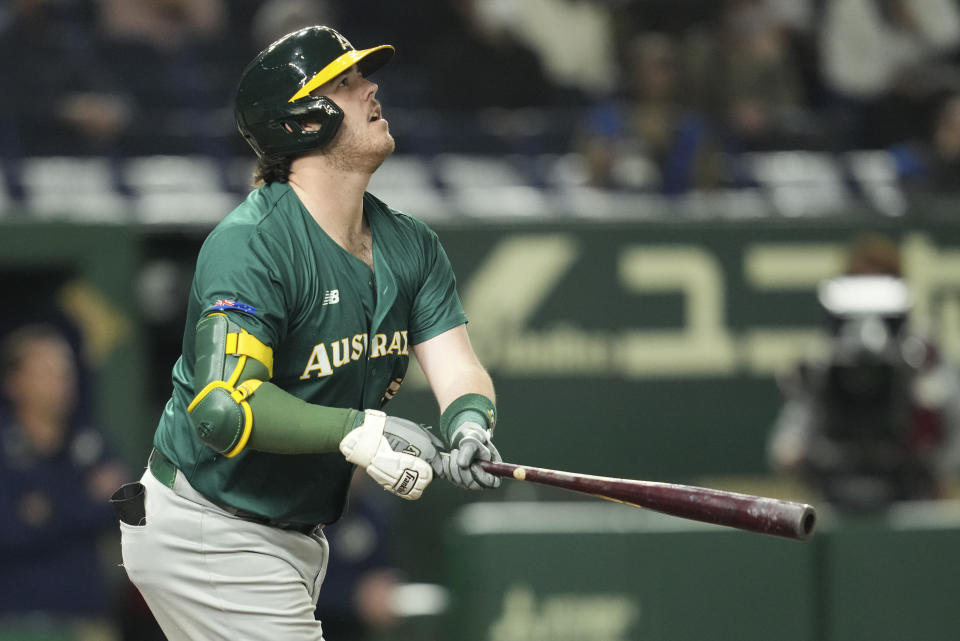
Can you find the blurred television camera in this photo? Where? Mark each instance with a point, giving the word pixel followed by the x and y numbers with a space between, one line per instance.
pixel 875 419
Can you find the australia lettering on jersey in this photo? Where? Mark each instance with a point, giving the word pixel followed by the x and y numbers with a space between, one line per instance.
pixel 325 358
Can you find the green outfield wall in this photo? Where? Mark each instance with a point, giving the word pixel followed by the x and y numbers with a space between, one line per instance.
pixel 643 348
pixel 599 572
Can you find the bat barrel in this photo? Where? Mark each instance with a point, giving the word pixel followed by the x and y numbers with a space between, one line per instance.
pixel 743 511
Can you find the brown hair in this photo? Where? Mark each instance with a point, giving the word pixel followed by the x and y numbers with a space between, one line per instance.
pixel 271 170
pixel 873 253
pixel 13 344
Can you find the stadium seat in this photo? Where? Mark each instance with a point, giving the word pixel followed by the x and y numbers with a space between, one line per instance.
pixel 151 174
pixel 490 186
pixel 184 208
pixel 72 187
pixel 405 182
pixel 800 183
pixel 875 173
pixel 178 189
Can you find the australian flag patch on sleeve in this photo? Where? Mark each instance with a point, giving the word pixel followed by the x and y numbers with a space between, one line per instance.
pixel 222 304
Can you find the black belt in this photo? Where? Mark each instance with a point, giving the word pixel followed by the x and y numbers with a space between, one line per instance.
pixel 165 471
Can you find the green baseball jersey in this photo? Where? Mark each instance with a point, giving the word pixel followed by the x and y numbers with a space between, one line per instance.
pixel 341 336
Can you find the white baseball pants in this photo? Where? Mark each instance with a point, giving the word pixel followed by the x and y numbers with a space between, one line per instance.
pixel 208 575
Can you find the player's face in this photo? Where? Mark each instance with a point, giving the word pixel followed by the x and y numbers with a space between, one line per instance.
pixel 363 140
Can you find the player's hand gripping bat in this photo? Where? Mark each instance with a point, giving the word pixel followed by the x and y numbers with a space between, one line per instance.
pixel 743 511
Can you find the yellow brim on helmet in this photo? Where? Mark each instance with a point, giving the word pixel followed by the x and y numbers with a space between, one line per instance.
pixel 380 55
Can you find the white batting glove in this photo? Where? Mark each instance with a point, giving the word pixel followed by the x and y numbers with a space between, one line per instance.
pixel 400 473
pixel 462 466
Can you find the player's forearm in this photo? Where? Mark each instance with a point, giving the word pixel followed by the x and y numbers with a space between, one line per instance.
pixel 452 368
pixel 473 380
pixel 285 424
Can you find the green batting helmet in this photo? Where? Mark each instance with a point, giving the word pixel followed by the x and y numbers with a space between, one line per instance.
pixel 274 90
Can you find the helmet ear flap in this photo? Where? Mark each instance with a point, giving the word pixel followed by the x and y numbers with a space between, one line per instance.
pixel 292 137
pixel 329 116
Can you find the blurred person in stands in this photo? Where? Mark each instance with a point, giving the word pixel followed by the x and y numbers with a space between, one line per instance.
pixel 646 138
pixel 56 476
pixel 930 166
pixel 177 64
pixel 507 107
pixel 59 95
pixel 276 18
pixel 673 17
pixel 745 76
pixel 503 71
pixel 885 63
pixel 876 419
pixel 164 24
pixel 574 40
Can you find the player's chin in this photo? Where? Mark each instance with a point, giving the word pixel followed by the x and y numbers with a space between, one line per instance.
pixel 387 144
pixel 382 151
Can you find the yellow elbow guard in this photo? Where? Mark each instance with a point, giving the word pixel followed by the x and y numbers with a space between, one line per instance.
pixel 226 354
pixel 222 415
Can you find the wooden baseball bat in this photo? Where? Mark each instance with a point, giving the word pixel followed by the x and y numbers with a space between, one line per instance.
pixel 743 511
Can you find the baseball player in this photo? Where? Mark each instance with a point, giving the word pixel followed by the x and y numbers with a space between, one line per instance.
pixel 306 304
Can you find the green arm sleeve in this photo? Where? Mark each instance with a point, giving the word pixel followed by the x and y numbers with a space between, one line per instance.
pixel 285 424
pixel 236 409
pixel 469 407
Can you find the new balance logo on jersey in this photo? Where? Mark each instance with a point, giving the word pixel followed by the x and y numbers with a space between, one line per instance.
pixel 331 297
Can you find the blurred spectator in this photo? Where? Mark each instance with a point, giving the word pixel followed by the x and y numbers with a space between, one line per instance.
pixel 164 24
pixel 59 96
pixel 743 74
pixel 507 104
pixel 930 166
pixel 673 17
pixel 502 71
pixel 887 62
pixel 646 139
pixel 356 600
pixel 877 418
pixel 172 57
pixel 873 254
pixel 277 18
pixel 574 39
pixel 56 475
